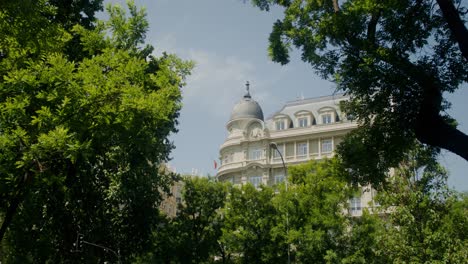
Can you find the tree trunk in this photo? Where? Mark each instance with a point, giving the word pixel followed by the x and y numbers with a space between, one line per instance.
pixel 9 215
pixel 13 207
pixel 455 24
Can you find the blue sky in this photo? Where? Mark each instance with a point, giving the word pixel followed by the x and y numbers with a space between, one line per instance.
pixel 228 41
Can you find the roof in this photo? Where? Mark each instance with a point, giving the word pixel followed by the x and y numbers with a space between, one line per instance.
pixel 247 108
pixel 309 104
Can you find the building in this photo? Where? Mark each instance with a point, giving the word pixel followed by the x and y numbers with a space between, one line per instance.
pixel 172 200
pixel 303 130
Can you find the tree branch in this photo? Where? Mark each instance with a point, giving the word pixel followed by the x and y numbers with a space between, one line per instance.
pixel 432 129
pixel 372 27
pixel 336 7
pixel 455 24
pixel 429 126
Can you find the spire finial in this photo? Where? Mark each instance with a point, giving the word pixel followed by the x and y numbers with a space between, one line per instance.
pixel 247 87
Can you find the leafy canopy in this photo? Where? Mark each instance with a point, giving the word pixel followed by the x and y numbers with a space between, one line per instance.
pixel 396 59
pixel 82 141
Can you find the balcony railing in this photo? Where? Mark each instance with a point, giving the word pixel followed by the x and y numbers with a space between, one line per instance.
pixel 273 161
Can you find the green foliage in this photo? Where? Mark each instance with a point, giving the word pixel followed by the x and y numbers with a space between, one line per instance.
pixel 81 142
pixel 250 220
pixel 395 59
pixel 418 221
pixel 363 240
pixel 427 222
pixel 316 203
pixel 197 227
pixel 68 13
pixel 307 217
pixel 192 235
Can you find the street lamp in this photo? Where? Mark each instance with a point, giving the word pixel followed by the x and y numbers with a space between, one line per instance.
pixel 79 246
pixel 274 146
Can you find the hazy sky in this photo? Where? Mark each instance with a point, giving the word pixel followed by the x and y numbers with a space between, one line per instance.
pixel 228 41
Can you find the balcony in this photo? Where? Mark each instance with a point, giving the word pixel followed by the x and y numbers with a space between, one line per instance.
pixel 232 166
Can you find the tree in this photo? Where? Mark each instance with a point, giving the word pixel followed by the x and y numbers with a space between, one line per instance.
pixel 81 142
pixel 316 203
pixel 363 240
pixel 250 218
pixel 192 235
pixel 426 221
pixel 396 59
pixel 307 221
pixel 197 227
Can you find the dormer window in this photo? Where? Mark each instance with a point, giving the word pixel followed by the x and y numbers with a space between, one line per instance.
pixel 280 125
pixel 303 122
pixel 328 115
pixel 327 118
pixel 304 118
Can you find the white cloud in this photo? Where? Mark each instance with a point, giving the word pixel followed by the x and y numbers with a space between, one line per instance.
pixel 167 43
pixel 215 83
pixel 218 82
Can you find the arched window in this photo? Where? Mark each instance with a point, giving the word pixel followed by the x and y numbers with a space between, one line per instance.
pixel 304 118
pixel 282 122
pixel 328 115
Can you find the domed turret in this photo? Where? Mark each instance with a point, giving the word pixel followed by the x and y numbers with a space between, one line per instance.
pixel 247 108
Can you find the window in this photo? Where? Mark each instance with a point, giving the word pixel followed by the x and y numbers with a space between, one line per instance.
pixel 276 155
pixel 327 145
pixel 355 205
pixel 350 117
pixel 302 149
pixel 256 181
pixel 303 122
pixel 326 118
pixel 374 194
pixel 279 125
pixel 279 179
pixel 256 154
pixel 228 158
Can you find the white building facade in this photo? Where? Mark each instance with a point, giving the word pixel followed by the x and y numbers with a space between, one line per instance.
pixel 303 130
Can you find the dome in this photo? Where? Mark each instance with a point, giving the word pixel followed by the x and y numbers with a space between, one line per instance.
pixel 247 108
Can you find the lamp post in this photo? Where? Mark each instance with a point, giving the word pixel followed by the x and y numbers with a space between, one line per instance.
pixel 80 241
pixel 274 146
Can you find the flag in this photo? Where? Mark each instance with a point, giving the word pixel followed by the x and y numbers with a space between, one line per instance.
pixel 215 164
